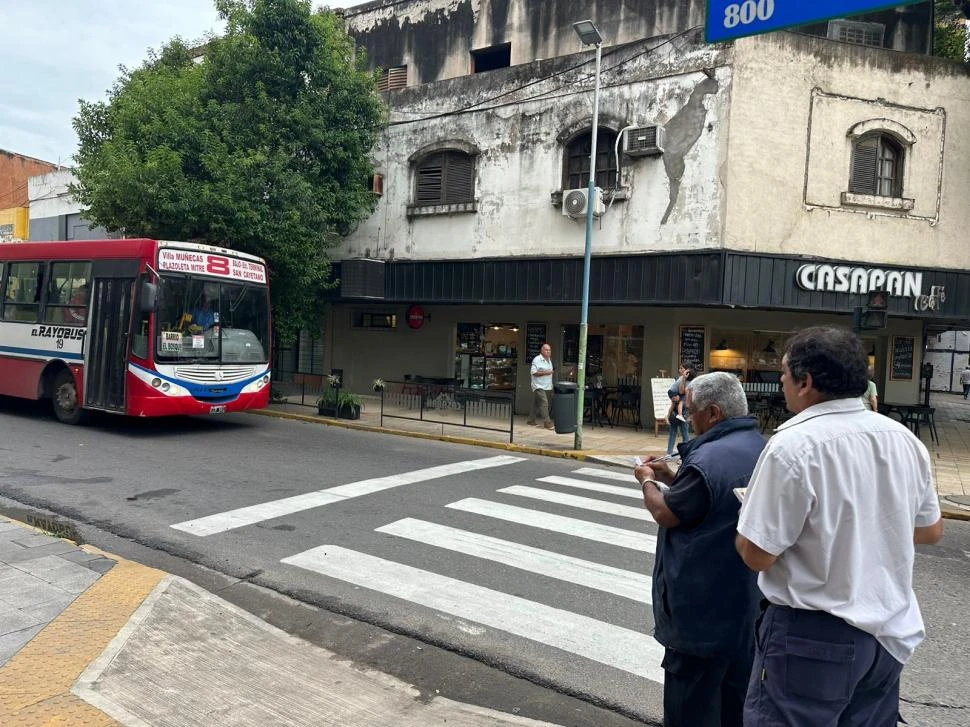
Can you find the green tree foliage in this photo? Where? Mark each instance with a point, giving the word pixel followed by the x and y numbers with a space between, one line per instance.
pixel 261 147
pixel 949 31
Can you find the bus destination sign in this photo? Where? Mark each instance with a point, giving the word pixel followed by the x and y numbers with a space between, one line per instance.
pixel 730 19
pixel 204 263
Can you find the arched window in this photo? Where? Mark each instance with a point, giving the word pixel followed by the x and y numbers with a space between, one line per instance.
pixel 445 177
pixel 576 161
pixel 877 166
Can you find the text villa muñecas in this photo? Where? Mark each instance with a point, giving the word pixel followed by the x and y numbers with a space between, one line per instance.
pixel 67 333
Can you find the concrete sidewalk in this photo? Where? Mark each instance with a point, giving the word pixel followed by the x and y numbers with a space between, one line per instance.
pixel 618 445
pixel 87 638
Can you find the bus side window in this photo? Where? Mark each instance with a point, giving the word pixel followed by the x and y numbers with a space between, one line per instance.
pixel 139 339
pixel 21 296
pixel 68 293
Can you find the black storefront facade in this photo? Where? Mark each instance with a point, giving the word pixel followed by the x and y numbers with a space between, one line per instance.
pixel 726 310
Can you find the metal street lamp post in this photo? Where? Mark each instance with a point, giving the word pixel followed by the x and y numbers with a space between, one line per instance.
pixel 589 35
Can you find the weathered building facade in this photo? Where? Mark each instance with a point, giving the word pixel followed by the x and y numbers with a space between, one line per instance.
pixel 15 170
pixel 748 189
pixel 55 214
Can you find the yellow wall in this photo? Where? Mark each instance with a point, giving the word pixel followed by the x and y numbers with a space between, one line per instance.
pixel 14 224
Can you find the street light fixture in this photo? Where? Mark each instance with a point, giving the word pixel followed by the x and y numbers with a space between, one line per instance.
pixel 589 35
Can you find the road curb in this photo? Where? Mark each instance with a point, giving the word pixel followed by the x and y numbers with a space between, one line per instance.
pixel 507 446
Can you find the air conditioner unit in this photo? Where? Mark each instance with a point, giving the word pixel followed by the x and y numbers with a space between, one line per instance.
pixel 575 202
pixel 644 141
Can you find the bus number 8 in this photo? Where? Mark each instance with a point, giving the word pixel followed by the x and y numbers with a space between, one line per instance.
pixel 747 12
pixel 217 265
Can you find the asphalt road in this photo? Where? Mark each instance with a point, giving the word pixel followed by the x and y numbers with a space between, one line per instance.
pixel 426 540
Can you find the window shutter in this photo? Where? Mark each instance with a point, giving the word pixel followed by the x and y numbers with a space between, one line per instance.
pixel 392 79
pixel 864 158
pixel 430 177
pixel 460 179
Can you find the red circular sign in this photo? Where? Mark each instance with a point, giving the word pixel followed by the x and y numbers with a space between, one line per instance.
pixel 415 316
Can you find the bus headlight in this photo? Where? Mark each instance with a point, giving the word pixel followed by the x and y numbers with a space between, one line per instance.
pixel 166 386
pixel 156 382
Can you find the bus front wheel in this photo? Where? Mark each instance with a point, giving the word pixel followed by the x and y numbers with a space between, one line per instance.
pixel 67 408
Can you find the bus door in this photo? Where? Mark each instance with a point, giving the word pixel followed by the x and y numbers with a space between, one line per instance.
pixel 106 358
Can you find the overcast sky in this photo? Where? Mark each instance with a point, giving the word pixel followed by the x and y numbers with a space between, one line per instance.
pixel 53 52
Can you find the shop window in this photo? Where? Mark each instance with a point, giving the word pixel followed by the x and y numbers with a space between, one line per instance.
pixel 391 79
pixel 614 353
pixel 68 293
pixel 21 296
pixel 576 161
pixel 383 321
pixel 489 59
pixel 877 166
pixel 445 178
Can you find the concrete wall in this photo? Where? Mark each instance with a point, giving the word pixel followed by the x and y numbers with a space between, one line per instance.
pixel 795 101
pixel 668 202
pixel 55 214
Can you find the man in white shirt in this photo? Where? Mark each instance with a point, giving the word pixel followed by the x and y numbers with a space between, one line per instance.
pixel 965 381
pixel 834 507
pixel 541 388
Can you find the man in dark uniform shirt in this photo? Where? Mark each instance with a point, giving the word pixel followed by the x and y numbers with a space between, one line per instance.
pixel 705 600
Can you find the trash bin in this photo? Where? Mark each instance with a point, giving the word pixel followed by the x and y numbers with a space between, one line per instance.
pixel 564 407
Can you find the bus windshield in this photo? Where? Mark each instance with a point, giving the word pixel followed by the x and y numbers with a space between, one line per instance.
pixel 206 321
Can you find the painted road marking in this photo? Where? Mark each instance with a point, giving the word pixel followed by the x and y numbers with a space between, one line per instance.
pixel 608 579
pixel 633 492
pixel 607 474
pixel 615 646
pixel 223 521
pixel 586 503
pixel 629 539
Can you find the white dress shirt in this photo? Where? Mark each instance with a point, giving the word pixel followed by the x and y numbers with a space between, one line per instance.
pixel 836 495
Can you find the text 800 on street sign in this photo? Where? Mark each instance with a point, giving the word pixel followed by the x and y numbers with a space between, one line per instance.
pixel 730 19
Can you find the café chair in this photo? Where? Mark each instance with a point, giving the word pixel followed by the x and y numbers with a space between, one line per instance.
pixel 627 407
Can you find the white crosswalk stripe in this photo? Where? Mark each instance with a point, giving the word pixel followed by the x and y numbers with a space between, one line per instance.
pixel 633 492
pixel 223 521
pixel 586 503
pixel 629 539
pixel 608 579
pixel 618 475
pixel 615 646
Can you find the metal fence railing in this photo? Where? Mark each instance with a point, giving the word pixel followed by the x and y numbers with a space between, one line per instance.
pixel 295 388
pixel 441 401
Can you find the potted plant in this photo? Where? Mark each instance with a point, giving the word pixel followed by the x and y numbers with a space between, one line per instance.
pixel 328 403
pixel 348 405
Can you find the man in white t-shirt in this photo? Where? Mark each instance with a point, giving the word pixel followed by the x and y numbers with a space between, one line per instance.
pixel 830 517
pixel 965 381
pixel 541 388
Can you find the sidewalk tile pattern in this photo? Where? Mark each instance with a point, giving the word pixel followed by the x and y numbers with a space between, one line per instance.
pixel 59 613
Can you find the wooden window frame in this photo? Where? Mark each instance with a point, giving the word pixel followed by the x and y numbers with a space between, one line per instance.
pixel 872 155
pixel 444 177
pixel 575 163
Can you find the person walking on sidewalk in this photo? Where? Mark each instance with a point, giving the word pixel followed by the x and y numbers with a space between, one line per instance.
pixel 675 421
pixel 965 381
pixel 541 388
pixel 870 399
pixel 705 600
pixel 829 520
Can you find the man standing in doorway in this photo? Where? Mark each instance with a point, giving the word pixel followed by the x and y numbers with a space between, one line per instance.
pixel 830 519
pixel 541 388
pixel 965 380
pixel 705 600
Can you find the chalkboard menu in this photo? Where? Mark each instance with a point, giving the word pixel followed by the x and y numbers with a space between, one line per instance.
pixel 535 336
pixel 902 358
pixel 692 347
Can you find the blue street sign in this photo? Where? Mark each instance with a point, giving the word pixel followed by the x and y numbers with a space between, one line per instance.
pixel 730 19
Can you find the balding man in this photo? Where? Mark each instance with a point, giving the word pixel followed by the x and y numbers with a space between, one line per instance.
pixel 705 600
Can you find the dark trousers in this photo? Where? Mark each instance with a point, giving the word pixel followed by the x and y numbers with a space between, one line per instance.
pixel 703 691
pixel 812 669
pixel 966 390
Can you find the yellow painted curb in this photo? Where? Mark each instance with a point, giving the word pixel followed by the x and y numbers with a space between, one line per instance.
pixel 509 447
pixel 35 685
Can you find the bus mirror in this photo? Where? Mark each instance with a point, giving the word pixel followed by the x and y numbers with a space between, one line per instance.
pixel 147 296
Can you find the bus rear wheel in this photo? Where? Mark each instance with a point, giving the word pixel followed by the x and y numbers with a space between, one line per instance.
pixel 67 408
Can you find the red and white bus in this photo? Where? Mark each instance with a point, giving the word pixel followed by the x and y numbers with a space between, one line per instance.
pixel 137 327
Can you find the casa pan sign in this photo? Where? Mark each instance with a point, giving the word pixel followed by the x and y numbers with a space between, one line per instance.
pixel 844 279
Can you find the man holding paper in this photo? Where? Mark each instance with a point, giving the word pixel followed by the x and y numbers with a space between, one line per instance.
pixel 829 520
pixel 705 600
